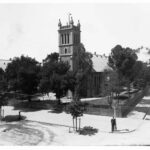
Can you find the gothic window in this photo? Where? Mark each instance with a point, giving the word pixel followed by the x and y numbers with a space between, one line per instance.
pixel 68 38
pixel 65 50
pixel 62 39
pixel 65 39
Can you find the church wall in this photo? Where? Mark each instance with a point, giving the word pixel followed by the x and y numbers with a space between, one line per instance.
pixel 94 84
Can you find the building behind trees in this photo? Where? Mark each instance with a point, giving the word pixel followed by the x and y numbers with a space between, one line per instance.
pixel 70 48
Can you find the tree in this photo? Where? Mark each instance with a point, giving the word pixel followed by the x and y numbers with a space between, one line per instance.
pixel 111 85
pixel 3 88
pixel 77 79
pixel 139 74
pixel 122 60
pixel 23 75
pixel 53 76
pixel 53 57
pixel 3 82
pixel 83 69
pixel 76 110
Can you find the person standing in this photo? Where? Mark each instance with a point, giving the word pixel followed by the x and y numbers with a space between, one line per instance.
pixel 113 124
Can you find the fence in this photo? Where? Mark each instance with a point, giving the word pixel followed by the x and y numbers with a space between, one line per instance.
pixel 122 110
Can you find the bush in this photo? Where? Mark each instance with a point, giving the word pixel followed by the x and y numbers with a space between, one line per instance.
pixel 87 130
pixel 76 108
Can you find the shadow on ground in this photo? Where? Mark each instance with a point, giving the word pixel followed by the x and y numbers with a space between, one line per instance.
pixel 34 105
pixel 11 118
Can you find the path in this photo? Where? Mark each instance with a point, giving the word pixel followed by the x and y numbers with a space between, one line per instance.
pixel 25 133
pixel 47 128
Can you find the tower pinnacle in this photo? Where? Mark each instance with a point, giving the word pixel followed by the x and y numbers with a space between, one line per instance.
pixel 59 23
pixel 71 21
pixel 69 14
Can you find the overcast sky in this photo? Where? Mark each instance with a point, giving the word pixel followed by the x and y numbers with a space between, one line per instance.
pixel 31 29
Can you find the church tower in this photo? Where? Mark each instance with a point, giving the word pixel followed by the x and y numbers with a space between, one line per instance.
pixel 69 42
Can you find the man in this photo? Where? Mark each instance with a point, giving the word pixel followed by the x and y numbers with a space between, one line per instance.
pixel 113 124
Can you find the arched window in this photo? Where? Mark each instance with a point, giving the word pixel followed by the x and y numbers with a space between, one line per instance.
pixel 65 50
pixel 68 38
pixel 62 40
pixel 65 38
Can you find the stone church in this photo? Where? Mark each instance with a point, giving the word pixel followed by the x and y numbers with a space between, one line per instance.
pixel 69 43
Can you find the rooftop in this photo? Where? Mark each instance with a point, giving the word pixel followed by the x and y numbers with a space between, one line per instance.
pixel 100 62
pixel 4 63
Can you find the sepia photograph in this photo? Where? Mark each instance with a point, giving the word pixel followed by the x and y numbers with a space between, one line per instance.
pixel 74 74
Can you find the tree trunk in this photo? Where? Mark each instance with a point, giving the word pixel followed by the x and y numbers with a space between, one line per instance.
pixel 73 122
pixel 76 124
pixel 79 123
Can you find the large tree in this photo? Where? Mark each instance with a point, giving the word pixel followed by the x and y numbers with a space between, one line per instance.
pixel 54 76
pixel 123 60
pixel 84 68
pixel 23 75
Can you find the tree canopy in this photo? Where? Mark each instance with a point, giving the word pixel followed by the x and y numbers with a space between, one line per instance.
pixel 23 75
pixel 122 60
pixel 84 68
pixel 53 76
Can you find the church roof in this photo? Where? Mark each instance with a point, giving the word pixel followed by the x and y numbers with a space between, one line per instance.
pixel 4 63
pixel 100 63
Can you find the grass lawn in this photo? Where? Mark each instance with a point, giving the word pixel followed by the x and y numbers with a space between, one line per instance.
pixel 99 106
pixel 34 105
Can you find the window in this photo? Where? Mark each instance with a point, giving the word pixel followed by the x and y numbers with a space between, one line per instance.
pixel 62 40
pixel 65 50
pixel 65 39
pixel 68 38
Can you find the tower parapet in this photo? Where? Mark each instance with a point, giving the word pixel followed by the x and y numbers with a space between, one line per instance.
pixel 69 25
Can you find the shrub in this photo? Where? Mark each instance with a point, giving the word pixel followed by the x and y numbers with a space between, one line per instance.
pixel 88 130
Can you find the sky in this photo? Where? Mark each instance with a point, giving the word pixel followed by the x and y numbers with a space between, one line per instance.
pixel 31 29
